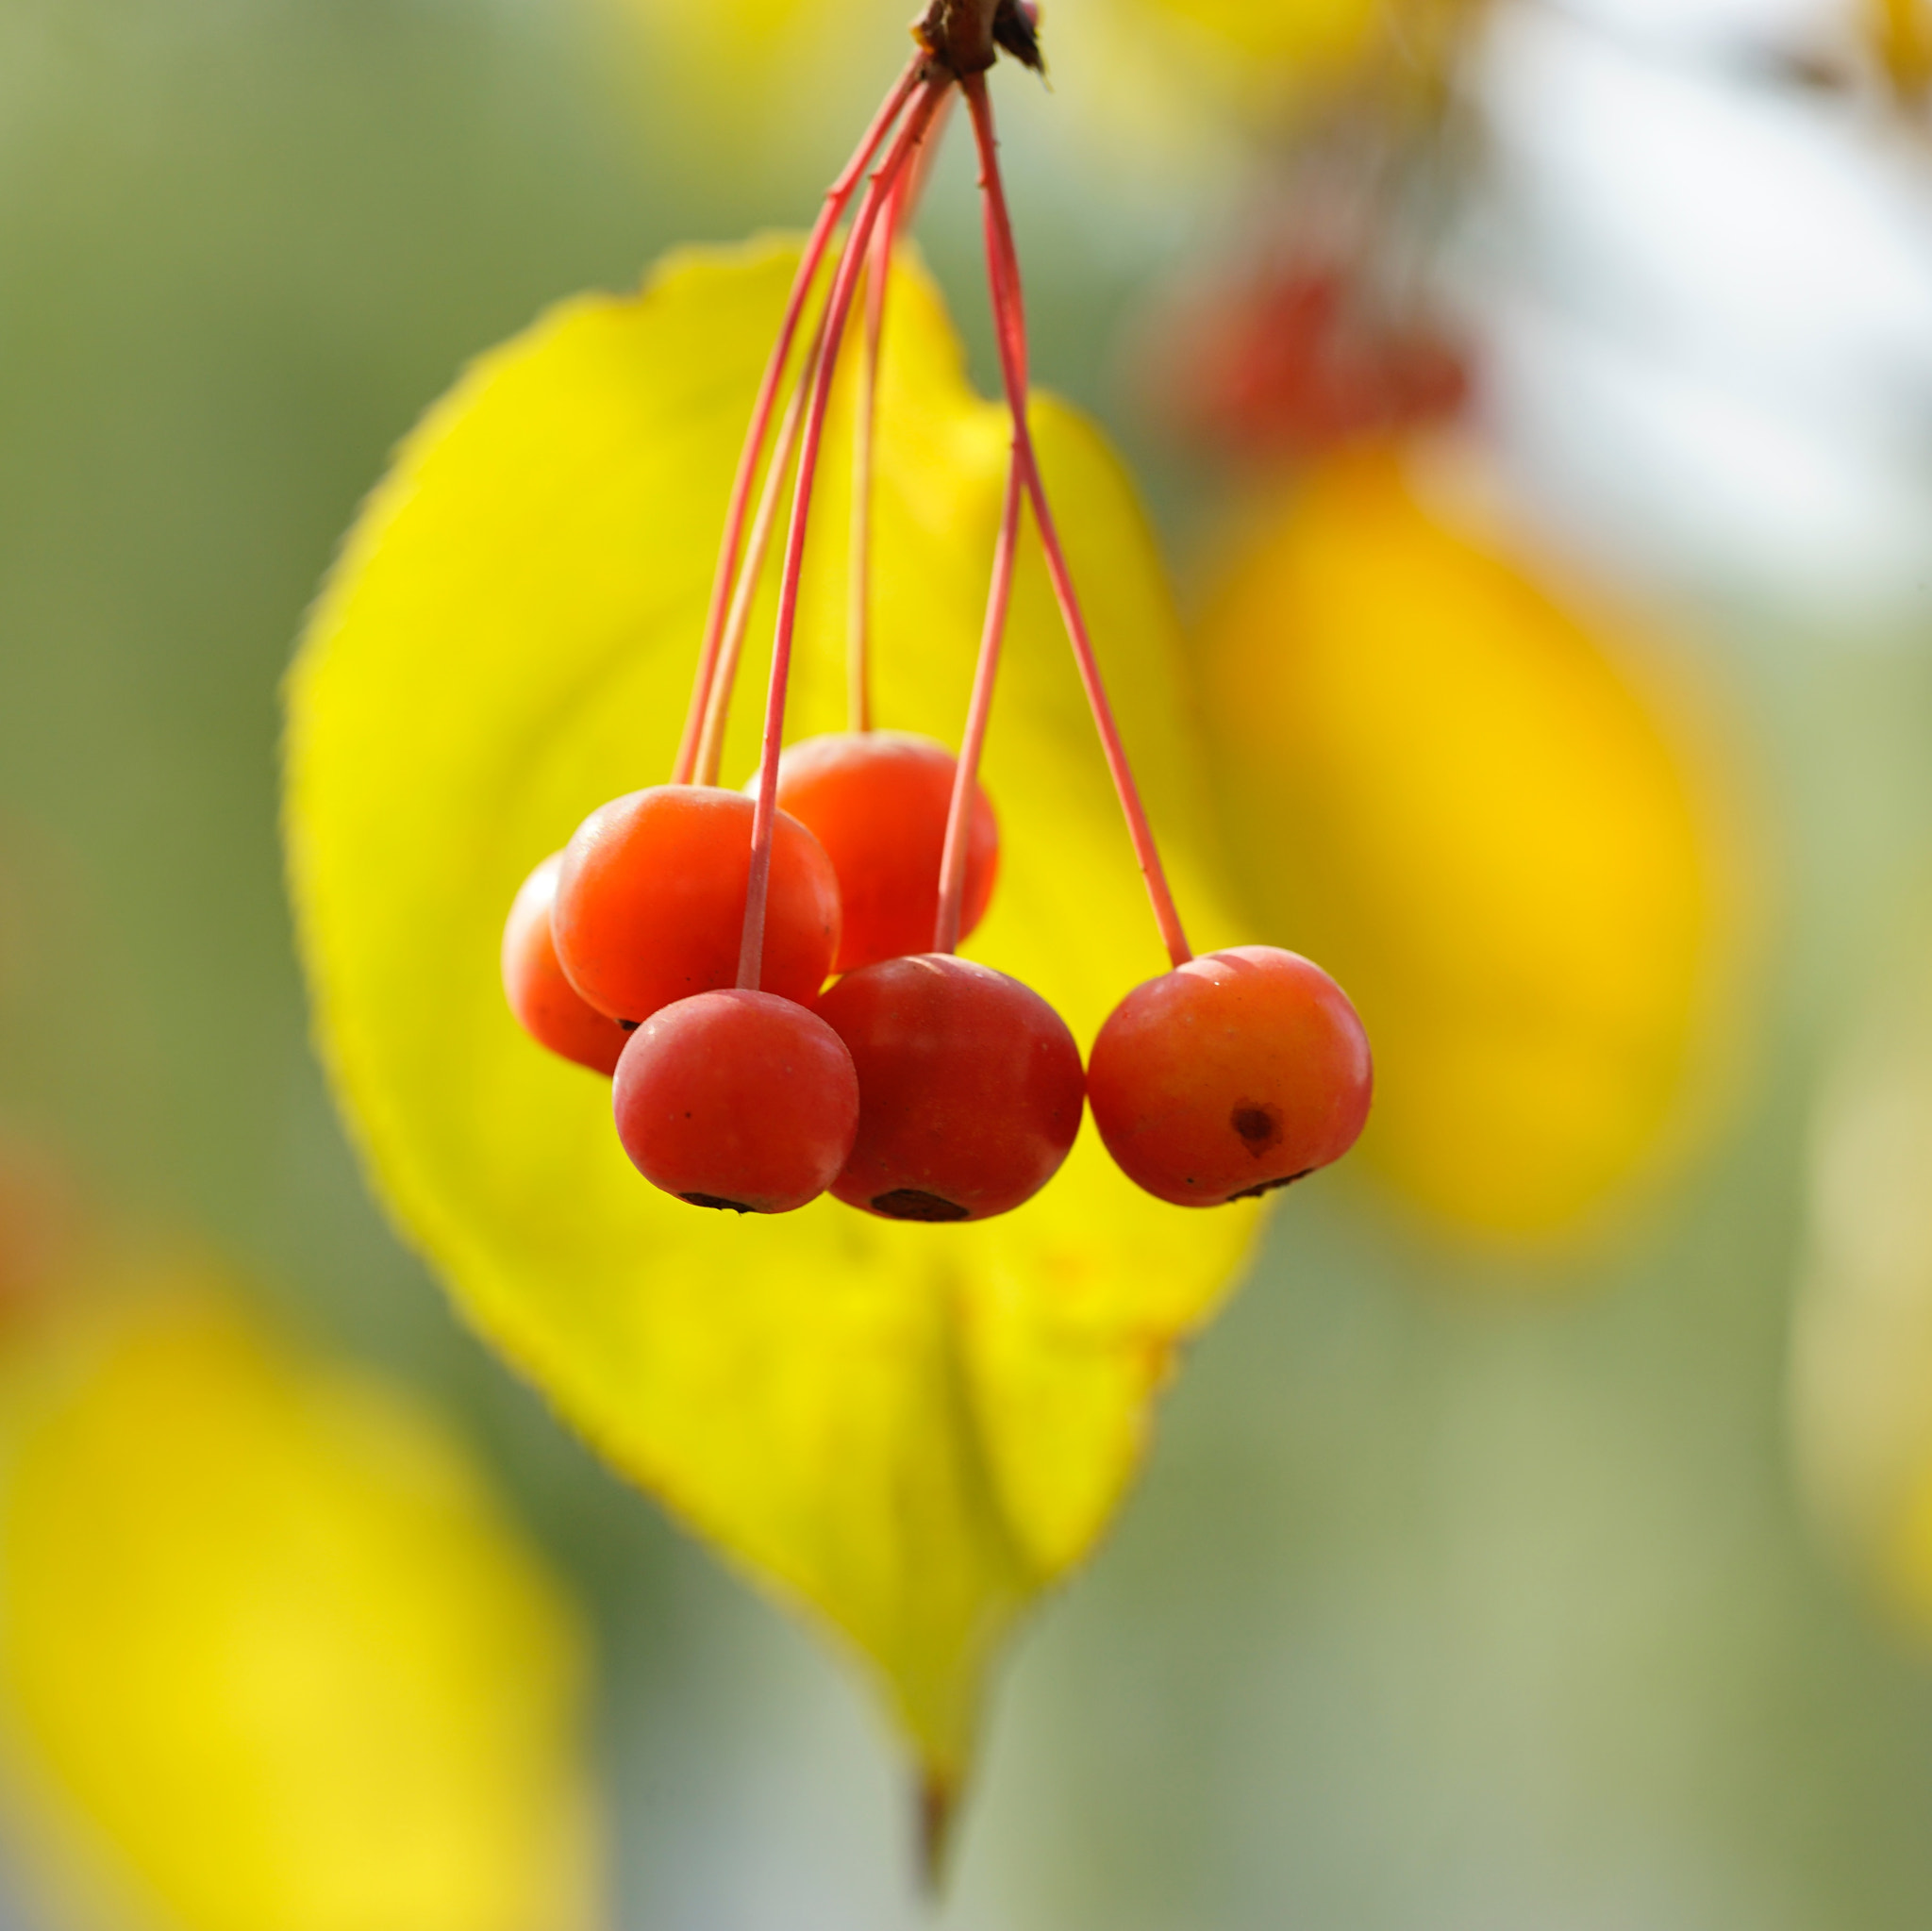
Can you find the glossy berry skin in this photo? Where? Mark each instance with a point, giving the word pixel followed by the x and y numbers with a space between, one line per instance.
pixel 877 802
pixel 739 1100
pixel 1233 1075
pixel 970 1088
pixel 650 901
pixel 547 1004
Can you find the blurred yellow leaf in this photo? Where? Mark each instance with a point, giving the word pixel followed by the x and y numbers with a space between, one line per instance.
pixel 1444 785
pixel 271 1659
pixel 1288 32
pixel 727 35
pixel 1285 31
pixel 745 19
pixel 910 1429
pixel 1861 1335
pixel 1901 35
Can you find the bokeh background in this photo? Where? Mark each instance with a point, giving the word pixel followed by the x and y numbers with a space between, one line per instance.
pixel 1536 402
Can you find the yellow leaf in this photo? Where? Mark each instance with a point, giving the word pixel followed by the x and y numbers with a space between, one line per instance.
pixel 753 39
pixel 1861 1333
pixel 1445 786
pixel 910 1429
pixel 1286 31
pixel 271 1658
pixel 1901 36
pixel 1293 33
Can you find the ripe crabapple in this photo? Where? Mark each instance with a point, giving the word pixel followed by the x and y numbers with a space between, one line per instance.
pixel 547 1004
pixel 650 901
pixel 970 1088
pixel 736 1099
pixel 1230 1075
pixel 877 802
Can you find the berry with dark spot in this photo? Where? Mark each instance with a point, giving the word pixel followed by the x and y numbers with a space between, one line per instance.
pixel 1231 1075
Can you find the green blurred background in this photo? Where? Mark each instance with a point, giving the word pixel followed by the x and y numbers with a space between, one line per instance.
pixel 1464 1590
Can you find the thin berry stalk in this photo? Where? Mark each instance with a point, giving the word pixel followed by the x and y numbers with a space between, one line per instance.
pixel 1002 268
pixel 837 310
pixel 864 433
pixel 838 196
pixel 946 936
pixel 899 213
pixel 710 756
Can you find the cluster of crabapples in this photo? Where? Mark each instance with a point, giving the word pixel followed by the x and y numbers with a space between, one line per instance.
pixel 919 1084
pixel 683 938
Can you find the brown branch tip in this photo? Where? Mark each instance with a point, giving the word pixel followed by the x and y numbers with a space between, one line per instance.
pixel 968 35
pixel 938 1809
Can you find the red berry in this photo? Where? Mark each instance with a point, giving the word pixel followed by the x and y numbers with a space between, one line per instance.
pixel 1232 1075
pixel 877 802
pixel 1298 358
pixel 739 1100
pixel 650 902
pixel 969 1082
pixel 547 1004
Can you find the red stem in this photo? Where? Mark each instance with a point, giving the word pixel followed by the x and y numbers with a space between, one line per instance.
pixel 837 308
pixel 946 936
pixel 899 212
pixel 1003 266
pixel 718 705
pixel 917 176
pixel 865 423
pixel 837 197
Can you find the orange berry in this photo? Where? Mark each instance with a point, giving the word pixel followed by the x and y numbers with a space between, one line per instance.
pixel 547 1004
pixel 1230 1075
pixel 877 802
pixel 650 901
